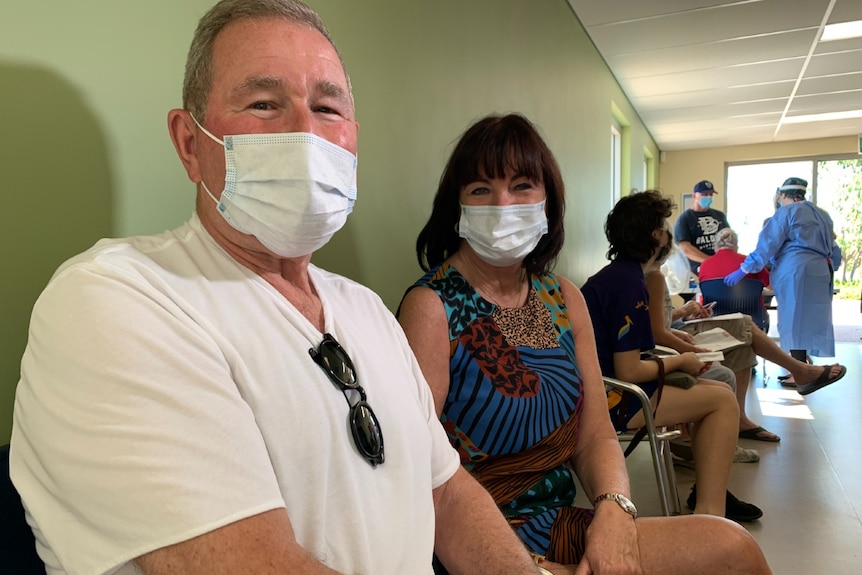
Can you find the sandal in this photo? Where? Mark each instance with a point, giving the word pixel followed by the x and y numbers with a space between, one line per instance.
pixel 755 433
pixel 822 380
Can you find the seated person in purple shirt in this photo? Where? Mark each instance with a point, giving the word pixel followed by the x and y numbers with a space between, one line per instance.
pixel 617 299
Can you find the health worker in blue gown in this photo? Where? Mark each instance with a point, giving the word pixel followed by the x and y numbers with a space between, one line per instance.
pixel 799 241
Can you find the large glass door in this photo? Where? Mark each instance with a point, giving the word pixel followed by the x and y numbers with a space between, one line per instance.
pixel 836 186
pixel 751 192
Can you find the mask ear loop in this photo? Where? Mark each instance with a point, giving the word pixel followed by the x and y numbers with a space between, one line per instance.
pixel 213 138
pixel 205 131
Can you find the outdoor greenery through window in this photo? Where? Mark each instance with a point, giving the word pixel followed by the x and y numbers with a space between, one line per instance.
pixel 839 184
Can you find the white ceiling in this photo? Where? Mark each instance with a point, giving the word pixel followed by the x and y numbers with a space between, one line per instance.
pixel 706 73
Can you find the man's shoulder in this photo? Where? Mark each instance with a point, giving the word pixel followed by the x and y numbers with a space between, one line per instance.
pixel 710 213
pixel 685 220
pixel 119 248
pixel 347 289
pixel 124 250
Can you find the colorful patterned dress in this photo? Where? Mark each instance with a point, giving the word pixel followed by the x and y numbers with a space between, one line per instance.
pixel 514 406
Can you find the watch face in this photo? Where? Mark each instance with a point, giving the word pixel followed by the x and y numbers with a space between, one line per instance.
pixel 627 504
pixel 622 501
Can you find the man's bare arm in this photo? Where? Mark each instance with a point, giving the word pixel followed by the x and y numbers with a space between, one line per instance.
pixel 263 544
pixel 472 536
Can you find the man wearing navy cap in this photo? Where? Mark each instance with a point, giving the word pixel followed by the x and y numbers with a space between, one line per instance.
pixel 696 227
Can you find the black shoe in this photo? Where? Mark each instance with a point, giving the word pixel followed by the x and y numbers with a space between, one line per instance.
pixel 734 509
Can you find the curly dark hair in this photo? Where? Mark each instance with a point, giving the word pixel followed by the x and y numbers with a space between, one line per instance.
pixel 487 149
pixel 632 221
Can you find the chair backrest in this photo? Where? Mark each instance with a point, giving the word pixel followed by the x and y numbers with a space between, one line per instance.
pixel 745 297
pixel 17 544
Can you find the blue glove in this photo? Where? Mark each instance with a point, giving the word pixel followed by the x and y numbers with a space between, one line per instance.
pixel 733 279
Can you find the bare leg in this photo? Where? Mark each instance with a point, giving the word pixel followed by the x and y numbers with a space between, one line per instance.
pixel 715 413
pixel 743 382
pixel 766 348
pixel 674 546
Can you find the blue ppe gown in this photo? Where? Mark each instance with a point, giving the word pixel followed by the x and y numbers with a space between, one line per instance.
pixel 798 240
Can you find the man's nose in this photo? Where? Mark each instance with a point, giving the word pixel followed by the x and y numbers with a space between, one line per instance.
pixel 299 119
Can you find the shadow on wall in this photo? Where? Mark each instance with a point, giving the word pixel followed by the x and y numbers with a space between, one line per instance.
pixel 341 254
pixel 56 199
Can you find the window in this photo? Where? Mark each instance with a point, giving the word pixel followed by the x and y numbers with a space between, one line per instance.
pixel 616 162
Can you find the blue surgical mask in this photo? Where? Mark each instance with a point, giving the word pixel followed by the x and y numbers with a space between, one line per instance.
pixel 705 201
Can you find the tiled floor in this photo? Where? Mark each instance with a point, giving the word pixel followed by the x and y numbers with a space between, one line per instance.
pixel 809 485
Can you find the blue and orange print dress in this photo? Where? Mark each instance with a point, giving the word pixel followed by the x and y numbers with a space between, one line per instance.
pixel 514 406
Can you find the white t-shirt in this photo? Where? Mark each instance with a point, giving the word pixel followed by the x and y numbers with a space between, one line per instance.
pixel 167 391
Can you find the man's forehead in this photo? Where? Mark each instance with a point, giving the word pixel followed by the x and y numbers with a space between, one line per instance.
pixel 324 86
pixel 273 39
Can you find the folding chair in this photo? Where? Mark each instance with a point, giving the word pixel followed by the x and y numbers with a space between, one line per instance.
pixel 658 441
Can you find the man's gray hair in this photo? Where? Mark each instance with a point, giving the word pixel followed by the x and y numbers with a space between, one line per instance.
pixel 727 238
pixel 199 64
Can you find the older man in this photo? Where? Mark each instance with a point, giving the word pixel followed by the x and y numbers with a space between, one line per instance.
pixel 727 259
pixel 206 400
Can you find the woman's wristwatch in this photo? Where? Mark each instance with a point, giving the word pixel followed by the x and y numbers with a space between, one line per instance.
pixel 621 500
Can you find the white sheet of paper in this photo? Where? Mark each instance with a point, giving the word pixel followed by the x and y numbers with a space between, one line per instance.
pixel 716 339
pixel 710 356
pixel 715 318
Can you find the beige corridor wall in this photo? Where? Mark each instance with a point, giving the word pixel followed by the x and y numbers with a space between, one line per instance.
pixel 423 72
pixel 682 169
pixel 85 87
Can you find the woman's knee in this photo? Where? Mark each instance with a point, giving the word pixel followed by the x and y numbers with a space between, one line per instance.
pixel 739 543
pixel 722 400
pixel 673 545
pixel 729 403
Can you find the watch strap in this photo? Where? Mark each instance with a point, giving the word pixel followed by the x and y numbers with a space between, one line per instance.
pixel 624 502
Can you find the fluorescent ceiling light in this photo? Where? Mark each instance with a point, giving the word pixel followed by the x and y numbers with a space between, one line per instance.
pixel 842 31
pixel 823 117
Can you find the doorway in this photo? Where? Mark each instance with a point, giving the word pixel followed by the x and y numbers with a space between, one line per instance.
pixel 835 184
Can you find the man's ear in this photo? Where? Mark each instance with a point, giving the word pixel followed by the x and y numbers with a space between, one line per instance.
pixel 182 130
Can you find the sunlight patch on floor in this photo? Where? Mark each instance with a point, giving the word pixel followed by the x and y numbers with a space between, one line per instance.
pixel 783 403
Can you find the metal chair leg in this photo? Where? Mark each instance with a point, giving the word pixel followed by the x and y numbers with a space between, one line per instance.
pixel 658 442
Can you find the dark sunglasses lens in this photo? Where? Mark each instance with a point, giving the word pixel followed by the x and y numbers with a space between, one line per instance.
pixel 366 431
pixel 338 363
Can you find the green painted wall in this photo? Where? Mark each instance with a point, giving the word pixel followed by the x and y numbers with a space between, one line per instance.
pixel 85 87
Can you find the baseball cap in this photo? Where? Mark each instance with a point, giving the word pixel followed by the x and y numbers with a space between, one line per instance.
pixel 704 187
pixel 794 186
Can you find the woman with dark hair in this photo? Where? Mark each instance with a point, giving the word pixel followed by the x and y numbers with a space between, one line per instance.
pixel 509 353
pixel 495 145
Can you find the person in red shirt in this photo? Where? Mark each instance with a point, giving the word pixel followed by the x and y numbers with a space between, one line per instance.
pixel 727 259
